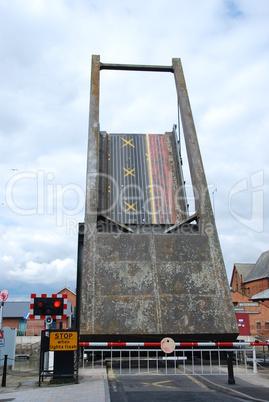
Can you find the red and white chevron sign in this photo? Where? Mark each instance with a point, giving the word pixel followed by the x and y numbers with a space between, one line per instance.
pixel 32 316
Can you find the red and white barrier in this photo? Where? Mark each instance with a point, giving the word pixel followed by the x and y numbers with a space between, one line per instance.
pixel 178 344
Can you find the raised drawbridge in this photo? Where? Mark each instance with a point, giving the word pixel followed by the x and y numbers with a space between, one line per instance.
pixel 146 268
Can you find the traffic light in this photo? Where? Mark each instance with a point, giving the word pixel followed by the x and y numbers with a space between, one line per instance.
pixel 44 306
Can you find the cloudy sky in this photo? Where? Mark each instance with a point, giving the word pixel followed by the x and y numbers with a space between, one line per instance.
pixel 45 61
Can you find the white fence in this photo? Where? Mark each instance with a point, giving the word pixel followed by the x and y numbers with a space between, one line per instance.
pixel 187 361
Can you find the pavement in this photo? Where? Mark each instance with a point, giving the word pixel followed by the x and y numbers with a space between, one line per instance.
pixel 93 386
pixel 252 387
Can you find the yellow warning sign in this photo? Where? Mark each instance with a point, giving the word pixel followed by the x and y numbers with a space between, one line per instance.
pixel 63 340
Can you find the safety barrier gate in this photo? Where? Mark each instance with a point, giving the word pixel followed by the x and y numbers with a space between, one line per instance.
pixel 192 358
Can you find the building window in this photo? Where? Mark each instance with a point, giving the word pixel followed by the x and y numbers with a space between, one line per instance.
pixel 259 325
pixel 267 325
pixel 22 327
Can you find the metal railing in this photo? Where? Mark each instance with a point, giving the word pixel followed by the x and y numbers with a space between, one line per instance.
pixel 194 360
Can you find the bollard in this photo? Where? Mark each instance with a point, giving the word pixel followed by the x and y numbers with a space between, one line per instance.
pixel 4 376
pixel 254 361
pixel 231 379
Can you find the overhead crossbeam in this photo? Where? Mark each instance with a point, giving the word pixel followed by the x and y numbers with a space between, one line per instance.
pixel 136 67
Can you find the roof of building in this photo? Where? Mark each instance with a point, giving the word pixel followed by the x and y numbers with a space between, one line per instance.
pixel 261 296
pixel 244 269
pixel 16 309
pixel 64 290
pixel 260 269
pixel 20 309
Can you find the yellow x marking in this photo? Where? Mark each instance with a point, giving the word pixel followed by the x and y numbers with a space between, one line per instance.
pixel 126 142
pixel 130 207
pixel 159 384
pixel 131 172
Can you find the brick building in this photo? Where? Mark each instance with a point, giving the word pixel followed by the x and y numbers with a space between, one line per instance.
pixel 15 314
pixel 72 298
pixel 250 295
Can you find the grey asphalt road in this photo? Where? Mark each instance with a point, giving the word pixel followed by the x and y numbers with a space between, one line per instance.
pixel 145 388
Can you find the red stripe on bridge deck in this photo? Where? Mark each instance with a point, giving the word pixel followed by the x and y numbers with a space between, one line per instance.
pixel 161 180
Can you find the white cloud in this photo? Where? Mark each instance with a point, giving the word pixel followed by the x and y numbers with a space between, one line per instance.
pixel 36 273
pixel 45 50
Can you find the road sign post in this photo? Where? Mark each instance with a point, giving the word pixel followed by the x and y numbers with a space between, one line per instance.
pixel 3 298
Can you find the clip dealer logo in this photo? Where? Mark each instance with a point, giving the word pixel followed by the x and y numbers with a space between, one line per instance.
pixel 246 202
